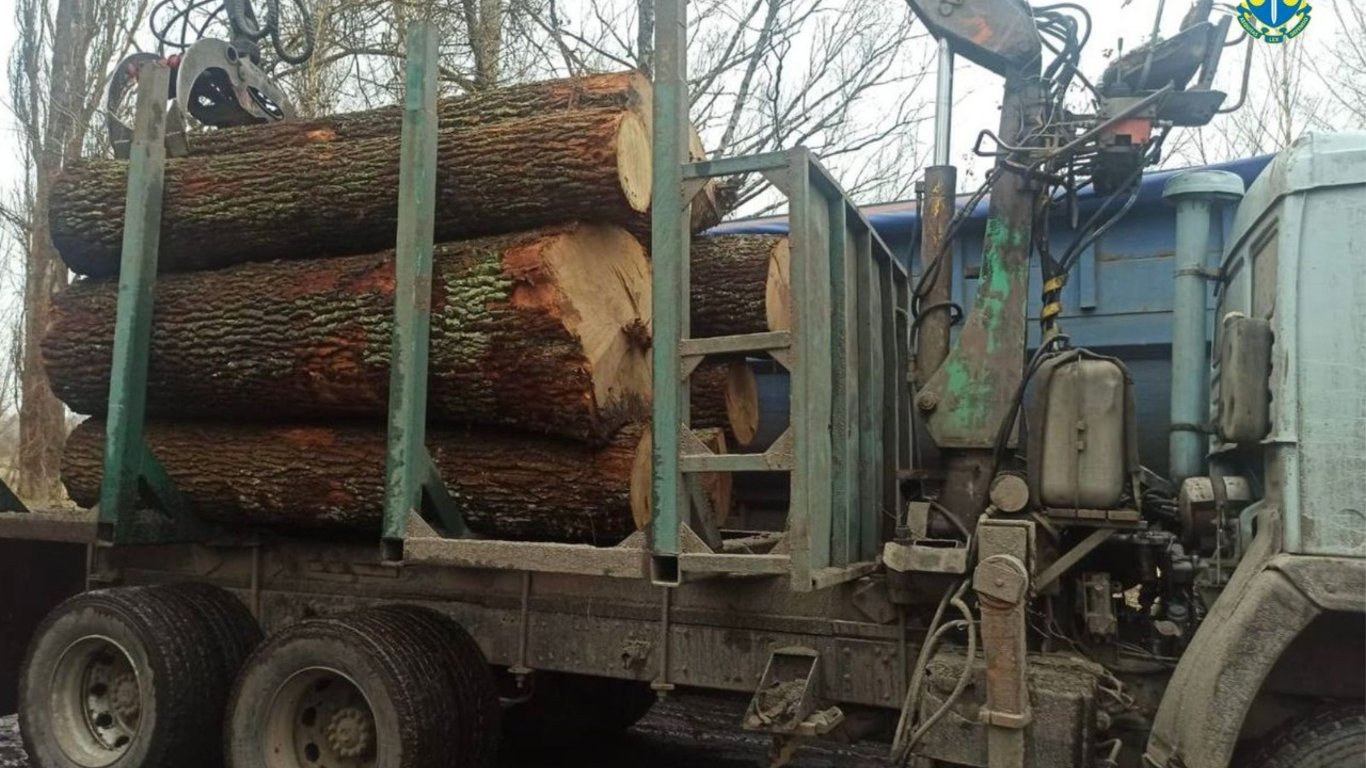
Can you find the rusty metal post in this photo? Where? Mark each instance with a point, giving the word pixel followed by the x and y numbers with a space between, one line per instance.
pixel 936 214
pixel 936 253
pixel 972 393
pixel 1002 586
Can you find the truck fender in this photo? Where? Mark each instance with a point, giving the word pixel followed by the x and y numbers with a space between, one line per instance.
pixel 1271 598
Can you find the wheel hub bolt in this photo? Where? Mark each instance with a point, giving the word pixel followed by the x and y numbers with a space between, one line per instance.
pixel 348 732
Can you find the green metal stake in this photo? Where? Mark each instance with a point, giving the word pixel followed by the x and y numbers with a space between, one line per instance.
pixel 669 248
pixel 9 502
pixel 125 452
pixel 410 474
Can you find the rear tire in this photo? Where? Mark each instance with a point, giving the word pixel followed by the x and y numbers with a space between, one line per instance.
pixel 131 677
pixel 1332 738
pixel 371 689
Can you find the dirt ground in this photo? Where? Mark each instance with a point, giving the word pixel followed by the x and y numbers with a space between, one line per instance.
pixel 686 731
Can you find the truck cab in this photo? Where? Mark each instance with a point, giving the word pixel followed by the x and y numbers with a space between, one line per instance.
pixel 1282 641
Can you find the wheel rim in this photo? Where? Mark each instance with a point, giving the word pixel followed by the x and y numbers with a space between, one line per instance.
pixel 320 718
pixel 96 701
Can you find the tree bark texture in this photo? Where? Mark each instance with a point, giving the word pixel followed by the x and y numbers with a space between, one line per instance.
pixel 740 284
pixel 623 91
pixel 507 485
pixel 338 199
pixel 547 331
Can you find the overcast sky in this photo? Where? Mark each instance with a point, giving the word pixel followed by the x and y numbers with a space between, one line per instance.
pixel 977 94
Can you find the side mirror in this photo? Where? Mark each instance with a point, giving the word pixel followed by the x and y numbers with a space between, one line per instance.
pixel 1244 379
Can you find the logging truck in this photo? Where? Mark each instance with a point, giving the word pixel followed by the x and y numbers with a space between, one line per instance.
pixel 466 427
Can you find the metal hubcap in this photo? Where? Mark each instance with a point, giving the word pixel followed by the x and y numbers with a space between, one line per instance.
pixel 320 718
pixel 96 702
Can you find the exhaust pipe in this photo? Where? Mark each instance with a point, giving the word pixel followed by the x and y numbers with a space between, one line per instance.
pixel 1198 196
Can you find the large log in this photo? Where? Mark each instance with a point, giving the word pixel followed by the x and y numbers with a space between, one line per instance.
pixel 335 199
pixel 547 331
pixel 740 284
pixel 725 395
pixel 625 91
pixel 507 485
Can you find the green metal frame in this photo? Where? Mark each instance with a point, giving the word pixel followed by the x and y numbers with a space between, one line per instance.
pixel 9 501
pixel 846 351
pixel 131 472
pixel 412 482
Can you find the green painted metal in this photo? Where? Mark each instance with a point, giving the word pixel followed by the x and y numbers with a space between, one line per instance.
pixel 872 406
pixel 670 263
pixel 843 351
pixel 411 480
pixel 845 354
pixel 124 447
pixel 9 502
pixel 130 470
pixel 844 495
pixel 725 345
pixel 734 166
pixel 973 391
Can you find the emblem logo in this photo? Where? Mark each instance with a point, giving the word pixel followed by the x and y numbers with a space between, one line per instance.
pixel 1274 21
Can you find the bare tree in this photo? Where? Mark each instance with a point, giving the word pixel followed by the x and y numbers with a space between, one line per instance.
pixel 1286 100
pixel 772 74
pixel 57 77
pixel 1344 69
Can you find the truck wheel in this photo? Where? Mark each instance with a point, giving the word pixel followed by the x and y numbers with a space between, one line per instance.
pixel 234 631
pixel 1333 738
pixel 578 708
pixel 371 689
pixel 469 674
pixel 130 677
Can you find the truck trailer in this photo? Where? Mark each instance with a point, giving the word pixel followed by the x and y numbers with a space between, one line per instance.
pixel 984 545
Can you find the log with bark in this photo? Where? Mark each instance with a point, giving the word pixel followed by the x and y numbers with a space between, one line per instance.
pixel 625 91
pixel 547 331
pixel 507 485
pixel 717 488
pixel 725 395
pixel 740 284
pixel 336 199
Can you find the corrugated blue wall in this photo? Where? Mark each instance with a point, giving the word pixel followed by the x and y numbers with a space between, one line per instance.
pixel 1117 301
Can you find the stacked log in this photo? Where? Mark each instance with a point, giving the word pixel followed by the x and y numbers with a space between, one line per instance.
pixel 626 91
pixel 622 91
pixel 269 360
pixel 332 477
pixel 546 331
pixel 740 284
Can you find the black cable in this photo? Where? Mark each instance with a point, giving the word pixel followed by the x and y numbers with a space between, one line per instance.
pixel 179 30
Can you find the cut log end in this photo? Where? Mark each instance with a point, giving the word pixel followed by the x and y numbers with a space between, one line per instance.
pixel 742 402
pixel 778 289
pixel 634 162
pixel 716 486
pixel 603 277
